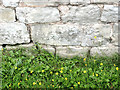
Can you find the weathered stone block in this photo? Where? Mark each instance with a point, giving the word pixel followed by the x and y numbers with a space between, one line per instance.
pixel 29 49
pixel 7 15
pixel 104 1
pixel 72 51
pixel 104 51
pixel 13 33
pixel 87 14
pixel 110 14
pixel 0 2
pixel 76 2
pixel 20 46
pixel 115 35
pixel 10 3
pixel 48 48
pixel 37 3
pixel 71 34
pixel 0 47
pixel 41 15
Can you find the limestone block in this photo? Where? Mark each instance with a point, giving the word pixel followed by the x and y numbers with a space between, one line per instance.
pixel 29 49
pixel 37 3
pixel 72 51
pixel 7 15
pixel 13 33
pixel 110 13
pixel 40 15
pixel 115 35
pixel 0 2
pixel 10 3
pixel 79 14
pixel 76 2
pixel 104 51
pixel 104 1
pixel 19 46
pixel 0 48
pixel 48 48
pixel 71 34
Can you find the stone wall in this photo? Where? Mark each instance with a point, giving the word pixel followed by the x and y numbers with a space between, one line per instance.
pixel 64 27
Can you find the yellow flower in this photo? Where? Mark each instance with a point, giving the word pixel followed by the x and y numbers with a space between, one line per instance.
pixel 26 79
pixel 74 85
pixel 52 85
pixel 15 67
pixel 39 83
pixel 117 68
pixel 94 36
pixel 85 64
pixel 42 70
pixel 48 85
pixel 31 71
pixel 61 71
pixel 52 79
pixel 93 74
pixel 70 70
pixel 2 49
pixel 78 82
pixel 51 72
pixel 101 70
pixel 56 73
pixel 114 65
pixel 84 71
pixel 18 84
pixel 10 85
pixel 65 78
pixel 71 87
pixel 34 83
pixel 84 59
pixel 96 74
pixel 62 68
pixel 94 61
pixel 101 63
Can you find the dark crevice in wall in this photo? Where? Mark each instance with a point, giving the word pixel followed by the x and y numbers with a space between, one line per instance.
pixel 16 19
pixel 89 51
pixel 60 14
pixel 29 29
pixel 110 39
pixel 16 44
pixel 4 45
pixel 55 49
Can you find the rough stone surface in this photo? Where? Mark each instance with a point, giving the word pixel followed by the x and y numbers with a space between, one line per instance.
pixel 71 34
pixel 38 3
pixel 10 3
pixel 0 47
pixel 48 48
pixel 13 33
pixel 7 15
pixel 65 27
pixel 19 46
pixel 104 1
pixel 88 14
pixel 41 15
pixel 104 51
pixel 72 51
pixel 110 14
pixel 115 34
pixel 0 2
pixel 76 2
pixel 29 48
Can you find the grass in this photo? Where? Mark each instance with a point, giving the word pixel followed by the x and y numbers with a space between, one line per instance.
pixel 36 68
